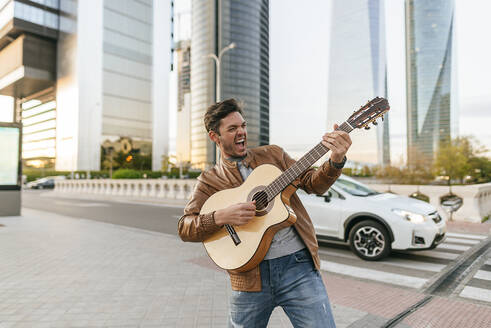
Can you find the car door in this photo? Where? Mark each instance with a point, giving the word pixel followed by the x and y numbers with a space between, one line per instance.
pixel 325 212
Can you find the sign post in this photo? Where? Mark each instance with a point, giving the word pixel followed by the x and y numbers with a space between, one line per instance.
pixel 10 168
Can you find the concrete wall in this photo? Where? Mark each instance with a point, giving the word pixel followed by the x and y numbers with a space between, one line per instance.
pixel 477 198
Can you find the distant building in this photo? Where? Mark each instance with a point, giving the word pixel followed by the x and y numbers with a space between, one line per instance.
pixel 244 69
pixel 358 73
pixel 431 116
pixel 183 139
pixel 86 72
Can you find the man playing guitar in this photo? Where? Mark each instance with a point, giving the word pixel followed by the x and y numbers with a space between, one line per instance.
pixel 288 276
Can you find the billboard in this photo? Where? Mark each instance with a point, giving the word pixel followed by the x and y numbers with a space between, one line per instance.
pixel 10 139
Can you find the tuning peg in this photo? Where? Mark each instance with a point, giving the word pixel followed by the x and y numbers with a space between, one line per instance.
pixel 382 117
pixel 367 127
pixel 375 123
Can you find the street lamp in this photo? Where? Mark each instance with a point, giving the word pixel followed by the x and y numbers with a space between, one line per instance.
pixel 217 86
pixel 217 64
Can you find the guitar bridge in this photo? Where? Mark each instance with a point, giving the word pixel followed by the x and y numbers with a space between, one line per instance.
pixel 233 234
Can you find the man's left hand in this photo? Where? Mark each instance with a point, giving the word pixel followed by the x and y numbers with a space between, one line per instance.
pixel 338 142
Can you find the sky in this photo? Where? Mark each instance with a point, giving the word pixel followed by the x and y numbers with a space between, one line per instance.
pixel 299 44
pixel 299 48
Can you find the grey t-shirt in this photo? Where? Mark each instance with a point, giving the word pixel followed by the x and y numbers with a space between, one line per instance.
pixel 286 241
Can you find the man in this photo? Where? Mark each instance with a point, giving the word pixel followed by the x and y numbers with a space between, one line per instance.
pixel 289 274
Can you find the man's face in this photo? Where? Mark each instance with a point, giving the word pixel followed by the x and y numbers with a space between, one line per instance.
pixel 233 136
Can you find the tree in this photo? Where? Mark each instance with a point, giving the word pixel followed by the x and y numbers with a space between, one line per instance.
pixel 420 170
pixel 452 159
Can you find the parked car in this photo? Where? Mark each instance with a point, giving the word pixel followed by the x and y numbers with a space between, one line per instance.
pixel 373 223
pixel 44 183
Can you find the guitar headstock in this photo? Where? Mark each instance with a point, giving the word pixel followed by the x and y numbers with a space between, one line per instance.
pixel 369 113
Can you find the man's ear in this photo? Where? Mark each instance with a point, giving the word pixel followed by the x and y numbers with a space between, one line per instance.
pixel 213 136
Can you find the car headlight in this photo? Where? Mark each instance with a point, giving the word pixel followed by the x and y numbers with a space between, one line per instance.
pixel 410 216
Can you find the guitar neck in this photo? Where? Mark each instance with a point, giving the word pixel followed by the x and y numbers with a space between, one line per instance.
pixel 302 165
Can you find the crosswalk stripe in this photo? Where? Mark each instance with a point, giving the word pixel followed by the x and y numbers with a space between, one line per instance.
pixel 481 274
pixel 391 278
pixel 464 235
pixel 461 241
pixel 410 264
pixel 476 293
pixel 454 247
pixel 435 254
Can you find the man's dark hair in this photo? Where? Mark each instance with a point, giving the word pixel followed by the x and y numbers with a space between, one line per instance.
pixel 217 111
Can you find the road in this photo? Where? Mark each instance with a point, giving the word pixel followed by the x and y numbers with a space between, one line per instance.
pixel 408 269
pixel 158 218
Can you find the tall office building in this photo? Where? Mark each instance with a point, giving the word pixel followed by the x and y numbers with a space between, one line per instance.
pixel 244 69
pixel 84 73
pixel 358 72
pixel 183 138
pixel 431 115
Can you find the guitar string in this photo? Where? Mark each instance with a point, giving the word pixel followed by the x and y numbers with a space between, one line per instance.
pixel 264 197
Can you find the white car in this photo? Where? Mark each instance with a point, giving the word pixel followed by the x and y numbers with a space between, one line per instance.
pixel 373 223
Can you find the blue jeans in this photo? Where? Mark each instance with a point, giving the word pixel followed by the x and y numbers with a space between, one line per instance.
pixel 291 282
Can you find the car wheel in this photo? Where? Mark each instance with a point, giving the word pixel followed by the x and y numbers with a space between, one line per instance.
pixel 369 240
pixel 40 187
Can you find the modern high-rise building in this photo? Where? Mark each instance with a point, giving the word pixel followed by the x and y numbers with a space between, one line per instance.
pixel 431 113
pixel 183 138
pixel 244 69
pixel 358 73
pixel 84 74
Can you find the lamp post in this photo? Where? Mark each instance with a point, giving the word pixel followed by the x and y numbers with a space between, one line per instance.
pixel 217 64
pixel 217 86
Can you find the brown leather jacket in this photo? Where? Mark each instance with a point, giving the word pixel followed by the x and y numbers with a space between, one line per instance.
pixel 195 227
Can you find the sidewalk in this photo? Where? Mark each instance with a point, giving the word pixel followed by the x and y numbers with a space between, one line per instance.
pixel 65 272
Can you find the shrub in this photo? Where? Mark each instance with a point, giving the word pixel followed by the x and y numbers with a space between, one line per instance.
pixel 193 174
pixel 152 174
pixel 127 174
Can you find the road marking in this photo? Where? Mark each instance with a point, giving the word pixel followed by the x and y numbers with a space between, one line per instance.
pixel 454 247
pixel 481 274
pixel 462 241
pixel 403 263
pixel 436 254
pixel 391 278
pixel 59 202
pixel 463 235
pixel 488 262
pixel 476 293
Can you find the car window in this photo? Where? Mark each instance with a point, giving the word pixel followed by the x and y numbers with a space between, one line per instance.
pixel 353 188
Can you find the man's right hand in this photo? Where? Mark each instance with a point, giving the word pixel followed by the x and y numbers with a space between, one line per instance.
pixel 237 214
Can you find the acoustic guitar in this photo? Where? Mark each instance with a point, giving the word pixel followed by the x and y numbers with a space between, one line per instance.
pixel 241 248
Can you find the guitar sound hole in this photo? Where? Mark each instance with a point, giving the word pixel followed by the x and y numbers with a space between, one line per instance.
pixel 261 199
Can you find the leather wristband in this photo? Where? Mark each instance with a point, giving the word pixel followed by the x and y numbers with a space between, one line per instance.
pixel 338 165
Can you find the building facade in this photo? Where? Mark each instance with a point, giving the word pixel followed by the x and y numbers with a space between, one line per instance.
pixel 358 73
pixel 183 138
pixel 244 69
pixel 431 110
pixel 85 74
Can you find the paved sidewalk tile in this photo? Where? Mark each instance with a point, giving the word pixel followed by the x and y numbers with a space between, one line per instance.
pixel 449 313
pixel 65 272
pixel 62 272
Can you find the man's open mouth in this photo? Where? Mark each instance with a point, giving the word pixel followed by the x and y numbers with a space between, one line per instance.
pixel 240 142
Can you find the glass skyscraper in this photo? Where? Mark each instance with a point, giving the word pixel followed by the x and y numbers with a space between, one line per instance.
pixel 357 73
pixel 244 69
pixel 430 114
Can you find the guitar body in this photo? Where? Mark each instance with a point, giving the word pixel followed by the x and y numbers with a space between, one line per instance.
pixel 255 236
